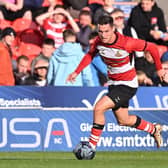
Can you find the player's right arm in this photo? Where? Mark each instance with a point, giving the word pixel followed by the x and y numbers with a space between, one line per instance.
pixel 84 62
pixel 87 59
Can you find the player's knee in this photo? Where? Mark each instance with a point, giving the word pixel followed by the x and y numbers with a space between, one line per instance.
pixel 123 122
pixel 98 110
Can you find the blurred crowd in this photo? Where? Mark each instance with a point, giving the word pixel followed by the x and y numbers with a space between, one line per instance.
pixel 42 41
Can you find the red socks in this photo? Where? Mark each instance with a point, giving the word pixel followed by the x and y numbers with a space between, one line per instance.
pixel 97 130
pixel 95 135
pixel 144 125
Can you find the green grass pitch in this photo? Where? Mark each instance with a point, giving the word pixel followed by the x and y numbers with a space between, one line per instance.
pixel 155 159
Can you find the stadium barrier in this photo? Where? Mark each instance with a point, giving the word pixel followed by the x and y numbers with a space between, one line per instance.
pixel 57 118
pixel 49 129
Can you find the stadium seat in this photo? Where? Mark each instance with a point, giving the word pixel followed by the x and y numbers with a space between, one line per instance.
pixel 5 23
pixel 46 2
pixel 21 24
pixel 32 36
pixel 28 49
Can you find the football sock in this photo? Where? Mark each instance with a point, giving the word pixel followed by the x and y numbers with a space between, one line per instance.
pixel 95 134
pixel 144 125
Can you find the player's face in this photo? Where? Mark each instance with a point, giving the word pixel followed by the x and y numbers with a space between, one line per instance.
pixel 147 5
pixel 106 33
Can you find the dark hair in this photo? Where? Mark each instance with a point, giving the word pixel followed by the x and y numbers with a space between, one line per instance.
pixel 105 19
pixel 49 41
pixel 116 10
pixel 58 6
pixel 8 31
pixel 85 12
pixel 24 57
pixel 68 33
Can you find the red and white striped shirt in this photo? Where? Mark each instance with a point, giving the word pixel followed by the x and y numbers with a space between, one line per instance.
pixel 121 70
pixel 55 31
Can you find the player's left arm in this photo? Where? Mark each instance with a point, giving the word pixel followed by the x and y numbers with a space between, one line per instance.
pixel 152 48
pixel 141 45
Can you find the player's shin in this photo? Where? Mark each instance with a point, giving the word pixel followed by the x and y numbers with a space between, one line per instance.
pixel 154 129
pixel 144 125
pixel 95 134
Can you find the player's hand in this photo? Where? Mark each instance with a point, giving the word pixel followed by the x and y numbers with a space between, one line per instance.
pixel 71 77
pixel 161 74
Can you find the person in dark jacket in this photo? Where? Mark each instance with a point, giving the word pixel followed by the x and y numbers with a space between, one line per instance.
pixel 106 9
pixel 148 20
pixel 85 26
pixel 22 71
pixel 75 6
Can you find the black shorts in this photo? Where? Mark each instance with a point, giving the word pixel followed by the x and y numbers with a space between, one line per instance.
pixel 120 95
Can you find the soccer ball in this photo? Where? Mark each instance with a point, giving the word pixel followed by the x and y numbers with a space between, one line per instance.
pixel 83 151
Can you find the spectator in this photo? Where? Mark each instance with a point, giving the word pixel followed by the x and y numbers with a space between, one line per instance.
pixel 47 6
pixel 119 20
pixel 6 73
pixel 54 24
pixel 22 71
pixel 95 4
pixel 63 61
pixel 46 52
pixel 148 20
pixel 39 75
pixel 107 8
pixel 75 6
pixel 164 60
pixel 85 25
pixel 122 27
pixel 33 6
pixel 11 10
pixel 98 67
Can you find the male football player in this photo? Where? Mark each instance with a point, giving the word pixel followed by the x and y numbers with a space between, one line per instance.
pixel 116 49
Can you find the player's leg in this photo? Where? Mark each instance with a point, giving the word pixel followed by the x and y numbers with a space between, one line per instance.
pixel 125 119
pixel 113 100
pixel 104 104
